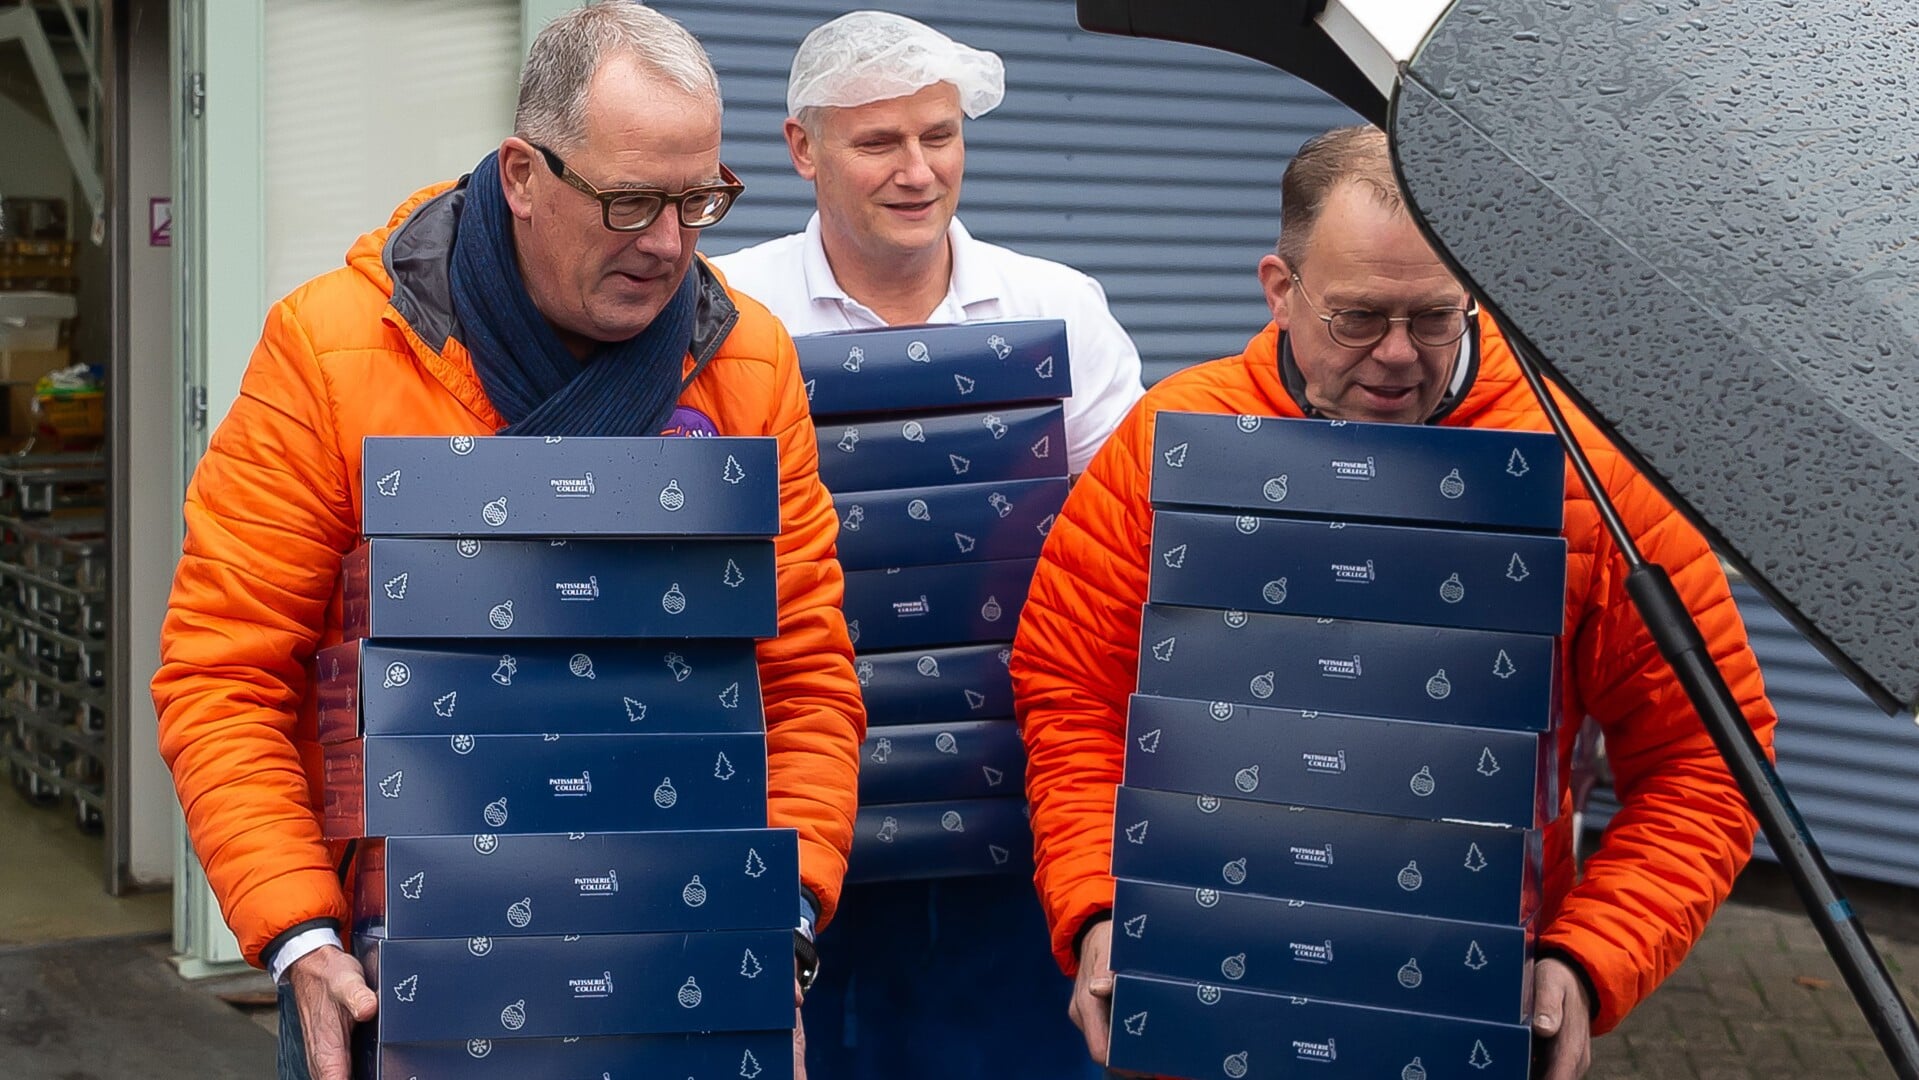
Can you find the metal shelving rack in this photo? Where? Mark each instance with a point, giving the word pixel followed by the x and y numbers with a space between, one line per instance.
pixel 53 622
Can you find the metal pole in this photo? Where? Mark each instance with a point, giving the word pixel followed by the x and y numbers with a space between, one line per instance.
pixel 1677 635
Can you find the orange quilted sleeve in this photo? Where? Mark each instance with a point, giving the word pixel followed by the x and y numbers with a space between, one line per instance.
pixel 1075 662
pixel 1684 831
pixel 814 715
pixel 268 516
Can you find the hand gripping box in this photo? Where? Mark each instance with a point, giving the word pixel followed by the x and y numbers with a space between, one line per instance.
pixel 576 883
pixel 969 759
pixel 593 687
pixel 1478 971
pixel 1478 678
pixel 438 785
pixel 1458 477
pixel 1173 1028
pixel 1303 758
pixel 1443 870
pixel 1386 573
pixel 394 588
pixel 540 487
pixel 931 449
pixel 950 604
pixel 457 989
pixel 959 838
pixel 728 1055
pixel 956 523
pixel 933 367
pixel 932 686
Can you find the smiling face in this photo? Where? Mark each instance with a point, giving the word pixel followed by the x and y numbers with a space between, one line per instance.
pixel 887 174
pixel 1364 254
pixel 595 285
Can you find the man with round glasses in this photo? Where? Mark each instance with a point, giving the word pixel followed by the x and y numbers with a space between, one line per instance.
pixel 1368 324
pixel 555 291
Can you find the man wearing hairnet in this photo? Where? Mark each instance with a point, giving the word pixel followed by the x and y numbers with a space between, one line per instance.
pixel 876 107
pixel 949 979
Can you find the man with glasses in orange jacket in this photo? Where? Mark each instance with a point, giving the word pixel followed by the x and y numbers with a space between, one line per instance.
pixel 1368 324
pixel 555 291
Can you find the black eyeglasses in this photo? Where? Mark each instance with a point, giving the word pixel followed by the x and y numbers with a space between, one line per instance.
pixel 635 209
pixel 1358 328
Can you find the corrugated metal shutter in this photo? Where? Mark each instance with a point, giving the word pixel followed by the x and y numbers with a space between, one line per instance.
pixel 1849 767
pixel 1153 167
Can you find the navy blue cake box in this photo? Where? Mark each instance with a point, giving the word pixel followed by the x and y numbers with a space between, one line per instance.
pixel 729 1055
pixel 1387 573
pixel 393 588
pixel 931 449
pixel 1170 1028
pixel 1479 678
pixel 1304 758
pixel 968 759
pixel 949 604
pixel 1459 477
pixel 1443 870
pixel 957 838
pixel 576 883
pixel 438 785
pixel 956 523
pixel 930 367
pixel 597 687
pixel 1477 971
pixel 542 487
pixel 931 686
pixel 456 989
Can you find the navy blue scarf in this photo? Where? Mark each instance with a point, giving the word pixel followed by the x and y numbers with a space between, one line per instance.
pixel 624 388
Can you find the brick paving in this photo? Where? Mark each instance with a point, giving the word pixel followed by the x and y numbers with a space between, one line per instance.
pixel 1760 998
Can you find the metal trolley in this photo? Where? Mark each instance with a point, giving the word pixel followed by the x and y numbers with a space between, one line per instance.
pixel 53 620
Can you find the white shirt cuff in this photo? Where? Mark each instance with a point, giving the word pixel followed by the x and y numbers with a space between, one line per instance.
pixel 299 945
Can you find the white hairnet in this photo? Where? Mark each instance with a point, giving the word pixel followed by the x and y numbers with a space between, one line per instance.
pixel 867 56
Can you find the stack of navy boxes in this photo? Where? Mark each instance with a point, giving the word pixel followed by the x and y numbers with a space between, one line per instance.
pixel 1341 754
pixel 945 450
pixel 543 734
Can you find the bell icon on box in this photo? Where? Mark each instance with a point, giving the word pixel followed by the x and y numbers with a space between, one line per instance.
pixel 889 828
pixel 505 672
pixel 849 439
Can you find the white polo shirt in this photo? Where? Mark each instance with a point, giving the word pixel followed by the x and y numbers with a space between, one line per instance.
pixel 791 277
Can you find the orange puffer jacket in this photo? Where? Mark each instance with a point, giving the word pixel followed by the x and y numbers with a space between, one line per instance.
pixel 1668 858
pixel 365 350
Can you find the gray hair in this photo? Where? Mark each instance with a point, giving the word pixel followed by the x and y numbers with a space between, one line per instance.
pixel 571 49
pixel 1359 155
